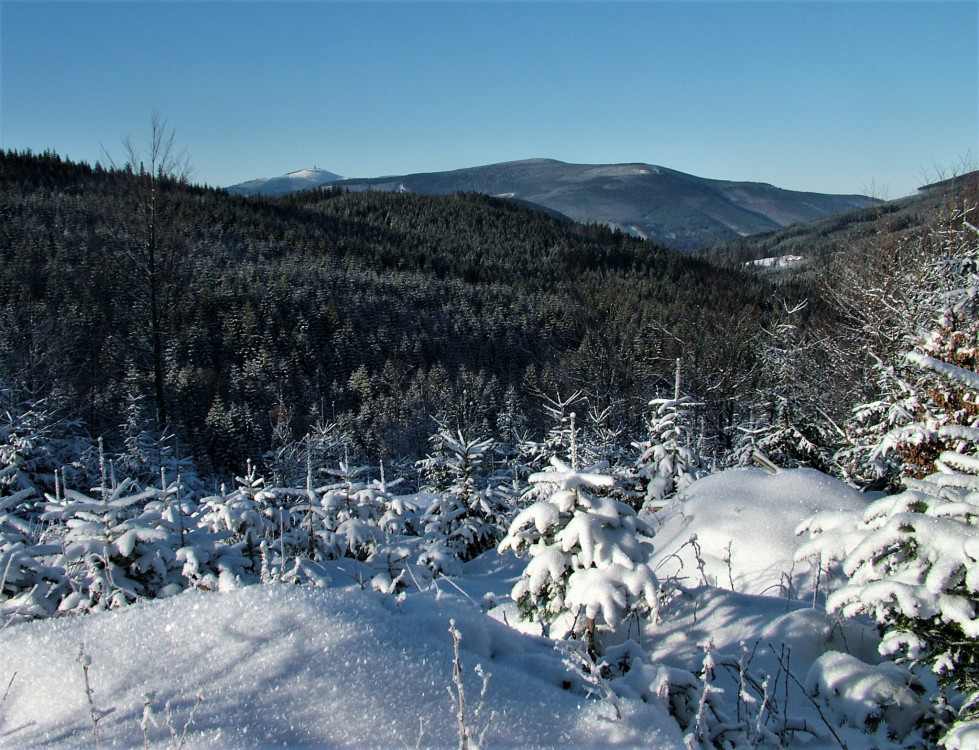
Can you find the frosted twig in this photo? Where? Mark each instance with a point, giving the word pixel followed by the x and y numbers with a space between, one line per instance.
pixel 455 586
pixel 470 735
pixel 3 700
pixel 421 733
pixel 147 719
pixel 179 741
pixel 591 672
pixel 96 714
pixel 7 691
pixel 727 559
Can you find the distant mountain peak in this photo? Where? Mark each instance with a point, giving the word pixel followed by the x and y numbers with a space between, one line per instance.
pixel 313 172
pixel 301 179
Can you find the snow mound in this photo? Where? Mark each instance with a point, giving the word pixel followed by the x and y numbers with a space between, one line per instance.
pixel 300 667
pixel 864 695
pixel 744 521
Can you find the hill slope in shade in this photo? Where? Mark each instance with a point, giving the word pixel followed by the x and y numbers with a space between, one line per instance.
pixel 883 222
pixel 663 205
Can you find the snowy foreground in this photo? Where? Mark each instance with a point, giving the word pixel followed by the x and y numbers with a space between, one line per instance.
pixel 296 666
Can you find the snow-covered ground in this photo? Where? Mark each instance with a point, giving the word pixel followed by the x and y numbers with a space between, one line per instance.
pixel 294 666
pixel 745 521
pixel 345 666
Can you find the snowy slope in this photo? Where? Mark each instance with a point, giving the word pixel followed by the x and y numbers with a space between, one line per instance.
pixel 300 667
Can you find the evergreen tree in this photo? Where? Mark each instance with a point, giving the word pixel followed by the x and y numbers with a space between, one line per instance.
pixel 560 434
pixel 119 546
pixel 792 429
pixel 465 516
pixel 588 555
pixel 668 463
pixel 147 452
pixel 914 566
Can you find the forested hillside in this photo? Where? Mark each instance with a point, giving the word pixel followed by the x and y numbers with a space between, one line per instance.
pixel 378 310
pixel 412 401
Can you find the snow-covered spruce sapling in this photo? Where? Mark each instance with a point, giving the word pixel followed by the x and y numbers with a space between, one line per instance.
pixel 560 434
pixel 588 555
pixel 119 548
pixel 253 514
pixel 32 579
pixel 465 517
pixel 875 698
pixel 668 463
pixel 790 427
pixel 34 445
pixel 870 459
pixel 146 452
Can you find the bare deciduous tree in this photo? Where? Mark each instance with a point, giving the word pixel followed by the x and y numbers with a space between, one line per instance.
pixel 149 242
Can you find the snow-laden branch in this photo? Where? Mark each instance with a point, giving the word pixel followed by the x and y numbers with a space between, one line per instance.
pixel 957 374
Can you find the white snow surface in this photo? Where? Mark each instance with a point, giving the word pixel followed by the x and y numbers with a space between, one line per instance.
pixel 745 522
pixel 301 667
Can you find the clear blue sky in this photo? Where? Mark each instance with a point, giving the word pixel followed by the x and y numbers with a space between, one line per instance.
pixel 829 96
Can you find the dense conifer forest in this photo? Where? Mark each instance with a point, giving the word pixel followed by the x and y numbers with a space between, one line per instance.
pixel 378 310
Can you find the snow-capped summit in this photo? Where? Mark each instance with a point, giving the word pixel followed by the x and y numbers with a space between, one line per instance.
pixel 302 179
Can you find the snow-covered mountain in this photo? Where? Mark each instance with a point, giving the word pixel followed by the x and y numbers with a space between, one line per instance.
pixel 303 179
pixel 666 206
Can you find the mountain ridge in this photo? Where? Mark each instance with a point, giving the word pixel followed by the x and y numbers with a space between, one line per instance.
pixel 657 203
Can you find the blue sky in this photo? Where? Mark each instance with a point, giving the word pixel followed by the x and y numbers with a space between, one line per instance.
pixel 829 96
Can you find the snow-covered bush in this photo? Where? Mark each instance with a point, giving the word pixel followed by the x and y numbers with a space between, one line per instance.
pixel 124 546
pixel 787 423
pixel 869 459
pixel 867 696
pixel 916 571
pixel 588 554
pixel 668 463
pixel 34 445
pixel 244 513
pixel 466 516
pixel 147 452
pixel 31 581
pixel 895 434
pixel 560 434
